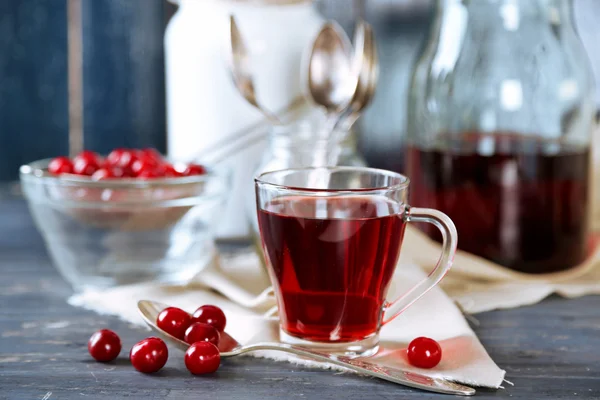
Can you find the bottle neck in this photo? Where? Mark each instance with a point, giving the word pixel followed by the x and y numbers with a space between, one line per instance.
pixel 301 141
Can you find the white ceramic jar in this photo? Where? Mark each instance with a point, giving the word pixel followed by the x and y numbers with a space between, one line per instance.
pixel 203 105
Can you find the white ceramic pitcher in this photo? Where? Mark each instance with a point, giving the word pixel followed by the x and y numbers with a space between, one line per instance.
pixel 203 105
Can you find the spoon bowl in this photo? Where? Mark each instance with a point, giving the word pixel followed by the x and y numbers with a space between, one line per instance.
pixel 241 71
pixel 229 347
pixel 367 63
pixel 331 78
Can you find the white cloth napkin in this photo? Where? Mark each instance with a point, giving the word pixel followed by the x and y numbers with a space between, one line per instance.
pixel 435 315
pixel 479 285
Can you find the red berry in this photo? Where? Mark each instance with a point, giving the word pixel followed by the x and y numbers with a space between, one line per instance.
pixel 114 157
pixel 104 345
pixel 86 163
pixel 60 165
pixel 140 166
pixel 122 158
pixel 149 174
pixel 149 355
pixel 174 321
pixel 90 155
pixel 171 171
pixel 104 173
pixel 200 332
pixel 211 315
pixel 118 172
pixel 424 352
pixel 202 358
pixel 151 156
pixel 194 169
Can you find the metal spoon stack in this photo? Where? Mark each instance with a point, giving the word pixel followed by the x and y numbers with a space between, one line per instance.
pixel 340 78
pixel 341 82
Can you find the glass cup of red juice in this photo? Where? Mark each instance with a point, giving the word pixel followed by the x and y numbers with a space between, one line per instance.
pixel 331 239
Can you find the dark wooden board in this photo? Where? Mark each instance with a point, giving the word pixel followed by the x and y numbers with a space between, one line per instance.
pixel 550 350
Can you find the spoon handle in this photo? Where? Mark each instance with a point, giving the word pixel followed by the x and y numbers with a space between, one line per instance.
pixel 362 366
pixel 231 145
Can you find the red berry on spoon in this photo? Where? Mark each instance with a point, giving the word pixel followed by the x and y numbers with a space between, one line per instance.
pixel 202 358
pixel 424 352
pixel 60 165
pixel 104 345
pixel 211 315
pixel 201 332
pixel 149 355
pixel 174 321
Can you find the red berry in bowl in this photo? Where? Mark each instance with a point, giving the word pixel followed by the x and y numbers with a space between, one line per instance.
pixel 104 345
pixel 91 155
pixel 194 169
pixel 174 321
pixel 150 174
pixel 118 172
pixel 122 158
pixel 114 157
pixel 211 315
pixel 151 156
pixel 424 352
pixel 140 166
pixel 86 163
pixel 149 355
pixel 170 171
pixel 201 332
pixel 60 165
pixel 202 358
pixel 104 173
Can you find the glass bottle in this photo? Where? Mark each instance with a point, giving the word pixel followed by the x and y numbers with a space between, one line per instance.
pixel 302 144
pixel 499 130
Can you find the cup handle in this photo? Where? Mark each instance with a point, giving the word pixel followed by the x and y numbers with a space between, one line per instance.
pixel 450 240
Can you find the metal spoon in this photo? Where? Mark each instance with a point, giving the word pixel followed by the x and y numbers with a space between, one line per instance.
pixel 367 59
pixel 331 78
pixel 230 347
pixel 241 71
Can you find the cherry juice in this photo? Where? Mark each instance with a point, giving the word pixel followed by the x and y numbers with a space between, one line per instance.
pixel 332 260
pixel 522 205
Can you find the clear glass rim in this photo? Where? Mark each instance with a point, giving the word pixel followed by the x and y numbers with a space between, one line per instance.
pixel 404 180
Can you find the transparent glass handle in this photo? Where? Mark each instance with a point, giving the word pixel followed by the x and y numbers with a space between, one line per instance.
pixel 449 242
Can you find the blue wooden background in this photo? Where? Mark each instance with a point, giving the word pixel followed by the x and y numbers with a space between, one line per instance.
pixel 123 78
pixel 33 82
pixel 123 74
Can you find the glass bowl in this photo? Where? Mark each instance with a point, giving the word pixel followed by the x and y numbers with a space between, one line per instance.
pixel 124 231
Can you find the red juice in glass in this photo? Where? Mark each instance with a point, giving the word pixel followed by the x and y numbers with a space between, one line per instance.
pixel 332 270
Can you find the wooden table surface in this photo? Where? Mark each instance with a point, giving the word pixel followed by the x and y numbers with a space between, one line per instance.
pixel 550 350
